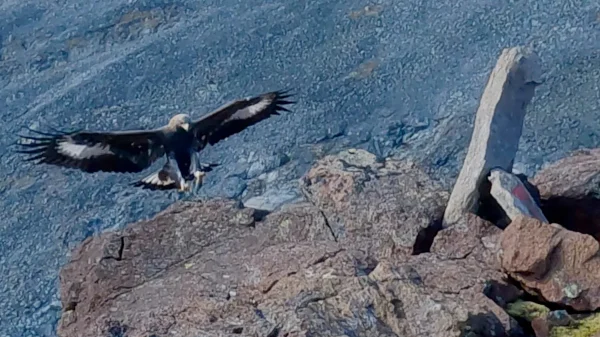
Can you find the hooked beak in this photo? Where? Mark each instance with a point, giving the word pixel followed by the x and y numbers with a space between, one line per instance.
pixel 186 126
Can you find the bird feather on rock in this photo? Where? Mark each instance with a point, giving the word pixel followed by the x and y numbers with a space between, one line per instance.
pixel 180 142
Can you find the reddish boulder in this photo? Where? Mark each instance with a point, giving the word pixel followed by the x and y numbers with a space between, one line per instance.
pixel 559 265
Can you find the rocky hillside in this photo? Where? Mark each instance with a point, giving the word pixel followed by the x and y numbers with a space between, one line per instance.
pixel 361 255
pixel 375 247
pixel 392 77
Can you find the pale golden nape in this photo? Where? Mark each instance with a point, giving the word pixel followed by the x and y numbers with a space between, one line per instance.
pixel 180 120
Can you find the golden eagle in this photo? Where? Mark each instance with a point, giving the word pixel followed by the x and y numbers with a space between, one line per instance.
pixel 133 151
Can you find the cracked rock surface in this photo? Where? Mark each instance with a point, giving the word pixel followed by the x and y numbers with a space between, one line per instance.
pixel 363 198
pixel 216 268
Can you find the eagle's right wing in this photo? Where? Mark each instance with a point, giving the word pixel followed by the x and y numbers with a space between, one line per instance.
pixel 120 151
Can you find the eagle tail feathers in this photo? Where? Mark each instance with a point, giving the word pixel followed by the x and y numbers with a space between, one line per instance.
pixel 154 182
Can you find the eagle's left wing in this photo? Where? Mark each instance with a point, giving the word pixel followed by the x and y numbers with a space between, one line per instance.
pixel 238 115
pixel 120 151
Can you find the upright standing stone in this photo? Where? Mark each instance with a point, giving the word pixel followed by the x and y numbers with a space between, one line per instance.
pixel 498 127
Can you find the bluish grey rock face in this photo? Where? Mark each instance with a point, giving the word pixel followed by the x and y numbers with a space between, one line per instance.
pixel 395 78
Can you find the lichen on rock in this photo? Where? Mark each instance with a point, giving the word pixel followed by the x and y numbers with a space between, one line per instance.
pixel 527 310
pixel 586 327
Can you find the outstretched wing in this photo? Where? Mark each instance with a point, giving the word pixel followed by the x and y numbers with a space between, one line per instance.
pixel 238 115
pixel 121 151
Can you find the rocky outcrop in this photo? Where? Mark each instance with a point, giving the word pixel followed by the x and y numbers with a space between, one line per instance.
pixel 574 176
pixel 570 191
pixel 557 262
pixel 364 254
pixel 340 264
pixel 393 202
pixel 559 265
pixel 374 248
pixel 549 245
pixel 470 236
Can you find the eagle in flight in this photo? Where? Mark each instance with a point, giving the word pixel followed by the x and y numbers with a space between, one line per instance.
pixel 180 141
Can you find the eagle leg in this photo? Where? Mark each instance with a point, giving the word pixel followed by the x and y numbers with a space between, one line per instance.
pixel 199 171
pixel 198 179
pixel 185 187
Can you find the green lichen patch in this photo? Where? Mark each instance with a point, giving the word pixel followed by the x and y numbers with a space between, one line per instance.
pixel 527 310
pixel 587 327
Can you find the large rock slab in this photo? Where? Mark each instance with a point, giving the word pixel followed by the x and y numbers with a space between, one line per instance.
pixel 498 127
pixel 570 191
pixel 575 176
pixel 185 265
pixel 470 236
pixel 559 265
pixel 393 202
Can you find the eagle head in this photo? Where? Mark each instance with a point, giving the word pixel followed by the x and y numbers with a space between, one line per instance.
pixel 180 121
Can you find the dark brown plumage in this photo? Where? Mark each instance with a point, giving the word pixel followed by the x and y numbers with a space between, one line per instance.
pixel 133 151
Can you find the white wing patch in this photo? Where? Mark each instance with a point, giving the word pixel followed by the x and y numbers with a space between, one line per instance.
pixel 154 179
pixel 166 176
pixel 252 109
pixel 79 151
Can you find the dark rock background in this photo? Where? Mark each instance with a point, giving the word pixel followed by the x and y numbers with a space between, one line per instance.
pixel 398 78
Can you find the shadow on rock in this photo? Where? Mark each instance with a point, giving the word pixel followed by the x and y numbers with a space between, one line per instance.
pixel 577 214
pixel 487 325
pixel 570 190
